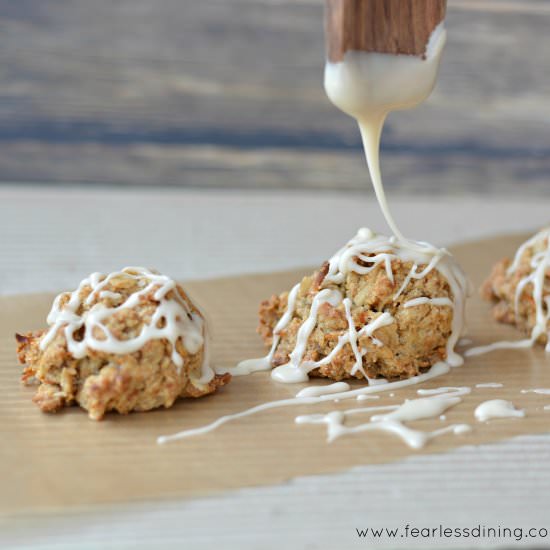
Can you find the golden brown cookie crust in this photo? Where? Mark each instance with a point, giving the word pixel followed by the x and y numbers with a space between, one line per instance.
pixel 100 382
pixel 414 342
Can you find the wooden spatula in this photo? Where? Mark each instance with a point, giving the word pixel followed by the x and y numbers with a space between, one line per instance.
pixel 384 26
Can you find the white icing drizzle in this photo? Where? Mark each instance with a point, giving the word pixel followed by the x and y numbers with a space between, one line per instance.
pixel 249 366
pixel 420 409
pixel 295 371
pixel 374 250
pixel 497 408
pixel 392 422
pixel 367 397
pixel 540 391
pixel 433 301
pixel 479 350
pixel 176 319
pixel 437 370
pixel 540 263
pixel 109 294
pixel 449 390
pixel 490 385
pixel 415 439
pixel 315 391
pixel 384 251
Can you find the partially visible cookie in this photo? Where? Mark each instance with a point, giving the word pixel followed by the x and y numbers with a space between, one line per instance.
pixel 519 289
pixel 128 341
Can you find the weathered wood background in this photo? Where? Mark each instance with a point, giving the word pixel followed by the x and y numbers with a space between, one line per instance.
pixel 228 93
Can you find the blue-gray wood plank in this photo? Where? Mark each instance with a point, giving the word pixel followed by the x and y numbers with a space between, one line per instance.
pixel 228 93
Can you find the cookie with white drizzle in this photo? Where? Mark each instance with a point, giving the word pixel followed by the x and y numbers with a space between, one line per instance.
pixel 380 308
pixel 128 341
pixel 520 291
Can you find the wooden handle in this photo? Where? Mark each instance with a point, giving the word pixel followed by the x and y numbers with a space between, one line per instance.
pixel 385 26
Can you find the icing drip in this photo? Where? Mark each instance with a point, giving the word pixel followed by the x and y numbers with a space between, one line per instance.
pixel 316 391
pixel 541 391
pixel 437 370
pixel 392 422
pixel 497 408
pixel 420 409
pixel 540 263
pixel 480 350
pixel 373 250
pixel 449 390
pixel 264 363
pixel 424 300
pixel 295 371
pixel 490 385
pixel 367 397
pixel 172 320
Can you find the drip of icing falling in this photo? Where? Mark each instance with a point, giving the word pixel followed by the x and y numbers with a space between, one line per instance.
pixel 497 408
pixel 490 385
pixel 177 320
pixel 540 263
pixel 392 422
pixel 437 370
pixel 368 86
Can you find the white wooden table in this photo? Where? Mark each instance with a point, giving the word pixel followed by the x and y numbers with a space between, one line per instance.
pixel 51 237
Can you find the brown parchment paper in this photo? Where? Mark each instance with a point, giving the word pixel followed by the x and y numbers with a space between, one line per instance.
pixel 63 460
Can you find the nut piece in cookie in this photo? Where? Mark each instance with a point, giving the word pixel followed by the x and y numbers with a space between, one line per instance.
pixel 520 289
pixel 128 341
pixel 380 308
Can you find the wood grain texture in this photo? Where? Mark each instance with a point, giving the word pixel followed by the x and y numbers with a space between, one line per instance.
pixel 227 94
pixel 385 26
